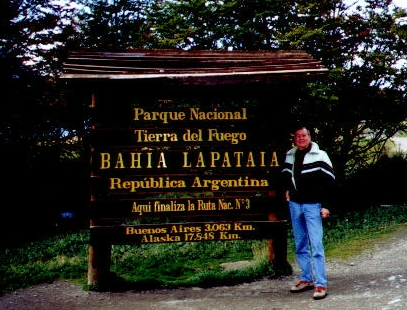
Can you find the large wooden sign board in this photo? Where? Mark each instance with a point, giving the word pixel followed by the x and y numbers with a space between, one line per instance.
pixel 211 170
pixel 183 170
pixel 187 146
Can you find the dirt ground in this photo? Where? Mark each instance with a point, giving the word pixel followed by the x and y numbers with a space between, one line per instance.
pixel 376 279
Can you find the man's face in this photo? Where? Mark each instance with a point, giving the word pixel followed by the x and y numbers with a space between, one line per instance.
pixel 302 139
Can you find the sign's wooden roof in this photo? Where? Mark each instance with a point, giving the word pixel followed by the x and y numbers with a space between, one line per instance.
pixel 193 67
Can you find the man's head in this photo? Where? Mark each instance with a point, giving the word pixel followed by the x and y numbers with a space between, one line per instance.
pixel 302 138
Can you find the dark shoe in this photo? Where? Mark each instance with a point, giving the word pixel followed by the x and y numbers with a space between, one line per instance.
pixel 302 286
pixel 320 293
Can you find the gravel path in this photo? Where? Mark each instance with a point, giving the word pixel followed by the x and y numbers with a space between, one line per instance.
pixel 374 280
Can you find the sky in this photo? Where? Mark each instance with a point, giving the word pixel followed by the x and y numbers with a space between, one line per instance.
pixel 401 3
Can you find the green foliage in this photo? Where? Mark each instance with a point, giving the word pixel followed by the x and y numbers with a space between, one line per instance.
pixel 364 48
pixel 179 264
pixel 354 232
pixel 58 257
pixel 360 105
pixel 375 219
pixel 151 266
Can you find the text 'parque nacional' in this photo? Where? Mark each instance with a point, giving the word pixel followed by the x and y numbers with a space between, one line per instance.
pixel 194 114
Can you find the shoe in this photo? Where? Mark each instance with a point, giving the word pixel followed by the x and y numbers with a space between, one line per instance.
pixel 320 293
pixel 302 286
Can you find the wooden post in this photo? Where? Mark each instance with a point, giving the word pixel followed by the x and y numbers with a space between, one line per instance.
pixel 271 253
pixel 277 250
pixel 99 261
pixel 99 254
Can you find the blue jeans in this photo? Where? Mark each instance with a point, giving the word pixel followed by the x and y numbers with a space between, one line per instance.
pixel 308 233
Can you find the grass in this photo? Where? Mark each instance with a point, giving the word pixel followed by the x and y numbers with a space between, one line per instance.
pixel 149 266
pixel 356 232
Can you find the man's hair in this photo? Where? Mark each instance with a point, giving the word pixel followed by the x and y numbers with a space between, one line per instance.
pixel 302 127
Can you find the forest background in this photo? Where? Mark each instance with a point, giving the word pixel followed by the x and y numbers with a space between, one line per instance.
pixel 355 111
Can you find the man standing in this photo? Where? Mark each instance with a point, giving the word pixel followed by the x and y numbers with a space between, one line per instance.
pixel 307 173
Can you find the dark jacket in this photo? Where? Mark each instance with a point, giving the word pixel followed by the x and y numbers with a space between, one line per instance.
pixel 314 181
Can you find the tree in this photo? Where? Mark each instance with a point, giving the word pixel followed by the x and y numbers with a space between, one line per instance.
pixel 361 104
pixel 114 25
pixel 355 110
pixel 238 24
pixel 362 101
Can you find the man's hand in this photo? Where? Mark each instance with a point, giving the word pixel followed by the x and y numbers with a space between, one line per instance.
pixel 325 213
